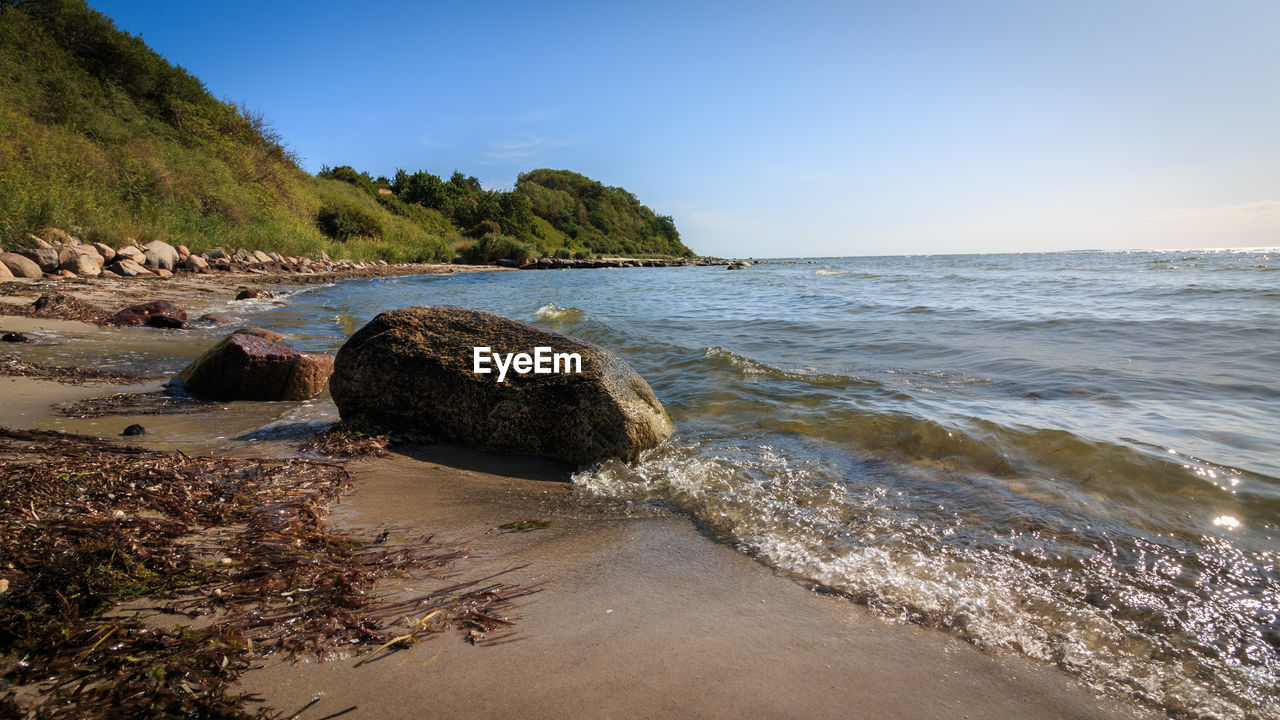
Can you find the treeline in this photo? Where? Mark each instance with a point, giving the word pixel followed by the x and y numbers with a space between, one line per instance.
pixel 102 135
pixel 552 211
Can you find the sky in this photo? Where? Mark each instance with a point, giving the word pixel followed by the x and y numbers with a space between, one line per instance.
pixel 789 129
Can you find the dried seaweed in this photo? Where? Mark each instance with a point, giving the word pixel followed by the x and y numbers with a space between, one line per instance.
pixel 14 366
pixel 343 441
pixel 160 402
pixel 86 525
pixel 60 306
pixel 527 525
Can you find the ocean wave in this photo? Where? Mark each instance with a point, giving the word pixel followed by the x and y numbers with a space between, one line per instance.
pixel 552 311
pixel 1168 620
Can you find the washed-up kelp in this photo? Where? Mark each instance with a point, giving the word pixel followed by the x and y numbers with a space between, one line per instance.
pixel 160 402
pixel 342 441
pixel 59 306
pixel 110 554
pixel 14 366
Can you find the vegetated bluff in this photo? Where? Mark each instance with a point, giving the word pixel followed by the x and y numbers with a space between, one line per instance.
pixel 102 135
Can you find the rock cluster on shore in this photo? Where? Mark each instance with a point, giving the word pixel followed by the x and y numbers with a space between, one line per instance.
pixel 61 255
pixel 411 371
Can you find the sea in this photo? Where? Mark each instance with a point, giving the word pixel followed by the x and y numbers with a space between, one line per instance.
pixel 1071 456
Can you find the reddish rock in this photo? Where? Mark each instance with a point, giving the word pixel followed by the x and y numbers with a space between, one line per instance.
pixel 254 293
pixel 142 314
pixel 249 367
pixel 166 322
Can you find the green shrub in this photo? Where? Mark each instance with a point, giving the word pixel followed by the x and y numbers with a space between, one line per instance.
pixel 491 248
pixel 484 227
pixel 582 255
pixel 562 253
pixel 345 220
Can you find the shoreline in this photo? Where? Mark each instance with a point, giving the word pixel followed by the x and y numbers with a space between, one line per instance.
pixel 638 616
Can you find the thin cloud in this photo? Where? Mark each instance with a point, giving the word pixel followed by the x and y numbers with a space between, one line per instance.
pixel 518 150
pixel 1261 210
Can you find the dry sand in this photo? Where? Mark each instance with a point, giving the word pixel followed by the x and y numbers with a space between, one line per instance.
pixel 638 617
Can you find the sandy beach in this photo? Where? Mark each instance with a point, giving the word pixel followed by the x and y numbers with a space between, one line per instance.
pixel 636 616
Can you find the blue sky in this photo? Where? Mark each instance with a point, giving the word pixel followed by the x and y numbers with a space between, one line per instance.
pixel 790 128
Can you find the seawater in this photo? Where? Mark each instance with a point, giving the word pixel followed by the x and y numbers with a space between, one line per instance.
pixel 1074 456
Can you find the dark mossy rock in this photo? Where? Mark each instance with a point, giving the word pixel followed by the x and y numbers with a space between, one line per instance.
pixel 410 371
pixel 145 314
pixel 249 367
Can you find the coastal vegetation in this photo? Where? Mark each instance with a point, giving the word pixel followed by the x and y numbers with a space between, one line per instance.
pixel 101 134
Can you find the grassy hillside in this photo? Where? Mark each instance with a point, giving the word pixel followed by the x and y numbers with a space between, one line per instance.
pixel 608 220
pixel 101 135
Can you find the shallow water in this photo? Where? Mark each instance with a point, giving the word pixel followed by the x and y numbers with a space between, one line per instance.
pixel 1070 455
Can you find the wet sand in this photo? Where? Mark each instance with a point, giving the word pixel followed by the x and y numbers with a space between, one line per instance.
pixel 646 617
pixel 637 616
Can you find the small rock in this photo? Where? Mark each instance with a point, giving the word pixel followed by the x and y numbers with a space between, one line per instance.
pixel 46 258
pixel 194 262
pixel 104 251
pixel 14 337
pixel 142 313
pixel 83 265
pixel 38 242
pixel 134 429
pixel 132 253
pixel 129 268
pixel 215 318
pixel 166 322
pixel 254 293
pixel 246 367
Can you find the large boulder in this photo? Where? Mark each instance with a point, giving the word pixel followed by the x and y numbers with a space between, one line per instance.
pixel 5 272
pixel 145 313
pixel 412 371
pixel 20 266
pixel 160 255
pixel 249 367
